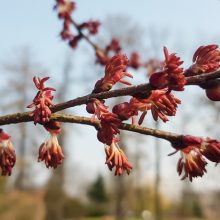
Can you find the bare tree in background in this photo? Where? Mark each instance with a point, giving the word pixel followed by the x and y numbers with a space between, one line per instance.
pixel 54 196
pixel 122 28
pixel 156 38
pixel 20 87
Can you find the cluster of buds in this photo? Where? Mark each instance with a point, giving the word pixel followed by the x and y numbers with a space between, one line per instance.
pixel 7 154
pixel 42 101
pixel 50 151
pixel 194 152
pixel 207 59
pixel 172 75
pixel 115 70
pixel 160 102
pixel 113 46
pixel 91 26
pixel 109 128
pixel 115 157
pixel 103 56
pixel 109 122
pixel 65 9
pixel 135 60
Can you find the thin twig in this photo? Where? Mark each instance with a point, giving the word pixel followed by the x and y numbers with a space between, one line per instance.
pixel 131 91
pixel 128 91
pixel 169 136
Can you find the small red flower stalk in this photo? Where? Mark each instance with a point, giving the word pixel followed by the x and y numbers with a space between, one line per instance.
pixel 42 101
pixel 65 9
pixel 194 150
pixel 7 154
pixel 115 70
pixel 161 103
pixel 206 59
pixel 172 75
pixel 115 157
pixel 109 122
pixel 50 151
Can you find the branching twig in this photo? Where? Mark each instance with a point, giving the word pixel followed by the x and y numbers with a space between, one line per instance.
pixel 171 137
pixel 128 91
pixel 95 46
pixel 131 91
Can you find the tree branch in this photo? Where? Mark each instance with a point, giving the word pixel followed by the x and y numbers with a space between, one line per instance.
pixel 128 91
pixel 25 117
pixel 95 46
pixel 171 137
pixel 131 91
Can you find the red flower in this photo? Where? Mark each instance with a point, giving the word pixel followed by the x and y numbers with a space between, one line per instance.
pixel 125 110
pixel 50 151
pixel 91 26
pixel 193 150
pixel 7 154
pixel 65 8
pixel 160 102
pixel 206 59
pixel 109 127
pixel 115 70
pixel 42 101
pixel 66 33
pixel 109 122
pixel 210 148
pixel 115 157
pixel 191 163
pixel 114 46
pixel 171 76
pixel 97 108
pixel 135 60
pixel 212 89
pixel 74 41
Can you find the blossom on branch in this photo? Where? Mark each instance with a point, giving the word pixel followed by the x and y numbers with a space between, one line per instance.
pixel 125 110
pixel 206 59
pixel 7 154
pixel 109 122
pixel 42 101
pixel 114 46
pixel 212 89
pixel 194 150
pixel 115 70
pixel 115 157
pixel 210 148
pixel 135 60
pixel 109 127
pixel 91 26
pixel 161 103
pixel 65 8
pixel 97 108
pixel 74 41
pixel 50 151
pixel 66 33
pixel 172 75
pixel 191 163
